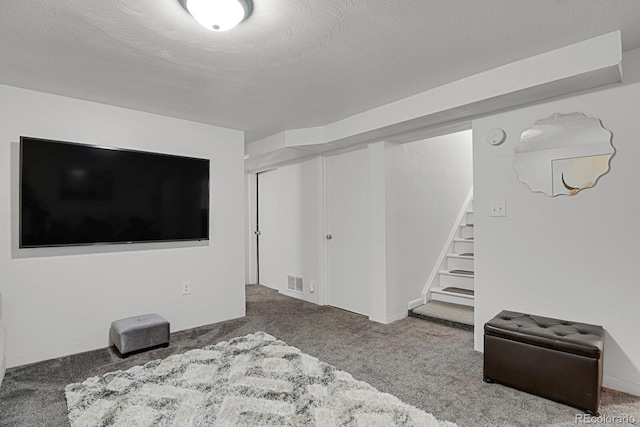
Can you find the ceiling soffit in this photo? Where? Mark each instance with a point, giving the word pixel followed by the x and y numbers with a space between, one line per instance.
pixel 585 65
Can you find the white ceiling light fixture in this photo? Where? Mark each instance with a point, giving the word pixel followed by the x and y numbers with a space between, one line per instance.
pixel 218 15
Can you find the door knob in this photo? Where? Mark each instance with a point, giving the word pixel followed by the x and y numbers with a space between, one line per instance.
pixel 329 236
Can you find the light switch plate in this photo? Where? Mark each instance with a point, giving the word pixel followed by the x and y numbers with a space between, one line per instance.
pixel 498 208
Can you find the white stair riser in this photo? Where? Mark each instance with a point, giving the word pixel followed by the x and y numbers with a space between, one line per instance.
pixel 459 263
pixel 452 299
pixel 466 232
pixel 463 247
pixel 451 260
pixel 456 281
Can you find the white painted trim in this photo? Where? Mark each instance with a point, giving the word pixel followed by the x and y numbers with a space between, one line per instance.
pixel 254 188
pixel 397 316
pixel 621 385
pixel 323 282
pixel 415 303
pixel 303 296
pixel 445 249
pixel 252 248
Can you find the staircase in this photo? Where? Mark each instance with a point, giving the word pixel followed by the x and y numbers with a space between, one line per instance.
pixel 449 296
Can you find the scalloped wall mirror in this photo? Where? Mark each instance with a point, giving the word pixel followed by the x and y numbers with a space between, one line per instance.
pixel 563 154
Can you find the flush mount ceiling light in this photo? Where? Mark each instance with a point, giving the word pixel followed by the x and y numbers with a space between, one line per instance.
pixel 218 15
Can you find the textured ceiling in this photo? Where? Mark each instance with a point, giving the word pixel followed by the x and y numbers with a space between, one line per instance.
pixel 293 63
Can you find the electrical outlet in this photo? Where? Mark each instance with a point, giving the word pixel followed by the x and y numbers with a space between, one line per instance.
pixel 186 288
pixel 312 285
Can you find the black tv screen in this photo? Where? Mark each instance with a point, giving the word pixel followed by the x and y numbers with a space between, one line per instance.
pixel 77 194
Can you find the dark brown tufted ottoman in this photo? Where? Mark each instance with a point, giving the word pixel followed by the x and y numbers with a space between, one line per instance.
pixel 551 358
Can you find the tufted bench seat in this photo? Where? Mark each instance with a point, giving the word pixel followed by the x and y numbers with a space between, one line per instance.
pixel 551 358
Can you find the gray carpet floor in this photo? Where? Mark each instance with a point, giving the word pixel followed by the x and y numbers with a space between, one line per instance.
pixel 428 365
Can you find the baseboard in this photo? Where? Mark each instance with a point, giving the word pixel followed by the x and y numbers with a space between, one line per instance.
pixel 299 295
pixel 415 303
pixel 397 316
pixel 386 319
pixel 27 359
pixel 621 385
pixel 54 353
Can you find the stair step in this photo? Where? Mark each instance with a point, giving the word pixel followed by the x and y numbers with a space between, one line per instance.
pixel 456 280
pixel 457 262
pixel 455 290
pixel 439 294
pixel 462 272
pixel 443 312
pixel 466 232
pixel 464 255
pixel 461 245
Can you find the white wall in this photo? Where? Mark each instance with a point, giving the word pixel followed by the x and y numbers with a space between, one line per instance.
pixel 59 301
pixel 573 258
pixel 427 182
pixel 418 190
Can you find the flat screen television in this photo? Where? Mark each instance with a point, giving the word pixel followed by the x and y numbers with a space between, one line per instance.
pixel 77 194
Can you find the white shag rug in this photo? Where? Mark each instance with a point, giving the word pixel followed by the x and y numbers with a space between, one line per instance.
pixel 255 380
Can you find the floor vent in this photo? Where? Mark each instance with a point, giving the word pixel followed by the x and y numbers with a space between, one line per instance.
pixel 294 283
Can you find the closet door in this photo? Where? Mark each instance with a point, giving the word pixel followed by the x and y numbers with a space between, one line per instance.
pixel 268 205
pixel 348 231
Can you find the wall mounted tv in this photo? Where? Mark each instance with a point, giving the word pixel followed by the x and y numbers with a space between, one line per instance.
pixel 76 194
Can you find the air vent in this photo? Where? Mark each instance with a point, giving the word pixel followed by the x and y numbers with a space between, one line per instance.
pixel 295 283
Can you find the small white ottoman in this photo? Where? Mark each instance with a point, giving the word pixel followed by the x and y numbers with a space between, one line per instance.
pixel 139 333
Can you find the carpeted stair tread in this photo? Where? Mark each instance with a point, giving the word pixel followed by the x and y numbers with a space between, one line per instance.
pixel 455 290
pixel 459 316
pixel 465 272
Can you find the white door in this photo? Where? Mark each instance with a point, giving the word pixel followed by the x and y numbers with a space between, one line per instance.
pixel 349 231
pixel 268 205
